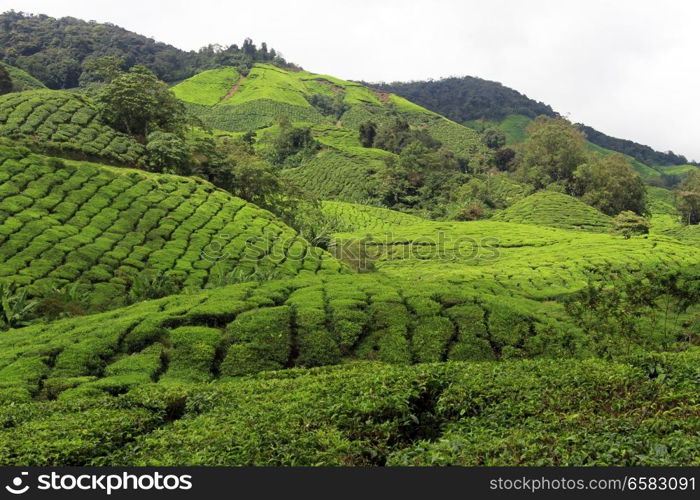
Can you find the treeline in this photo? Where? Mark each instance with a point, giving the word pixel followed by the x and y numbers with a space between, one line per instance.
pixel 640 152
pixel 468 98
pixel 59 51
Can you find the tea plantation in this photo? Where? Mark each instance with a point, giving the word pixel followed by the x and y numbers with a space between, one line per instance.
pixel 531 335
pixel 556 210
pixel 64 222
pixel 66 124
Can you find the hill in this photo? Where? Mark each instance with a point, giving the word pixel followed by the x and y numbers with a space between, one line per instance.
pixel 64 123
pixel 58 51
pixel 515 129
pixel 65 222
pixel 468 99
pixel 556 210
pixel 343 170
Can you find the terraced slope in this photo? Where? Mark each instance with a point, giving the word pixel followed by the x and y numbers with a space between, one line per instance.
pixel 64 123
pixel 207 88
pixel 344 169
pixel 519 260
pixel 547 208
pixel 353 217
pixel 67 221
pixel 21 80
pixel 158 384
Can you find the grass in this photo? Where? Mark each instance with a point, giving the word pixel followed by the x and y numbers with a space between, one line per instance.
pixel 64 123
pixel 557 210
pixel 207 88
pixel 63 222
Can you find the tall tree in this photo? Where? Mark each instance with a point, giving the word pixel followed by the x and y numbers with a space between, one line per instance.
pixel 137 103
pixel 555 148
pixel 689 198
pixel 5 81
pixel 611 185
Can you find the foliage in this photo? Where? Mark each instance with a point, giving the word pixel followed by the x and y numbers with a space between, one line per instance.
pixel 289 145
pixel 151 284
pixel 552 152
pixel 5 81
pixel 137 103
pixel 549 208
pixel 469 99
pixel 620 315
pixel 368 132
pixel 629 224
pixel 207 88
pixel 64 222
pixel 16 309
pixel 21 80
pixel 167 153
pixel 611 185
pixel 640 152
pixel 58 51
pixel 689 198
pixel 69 300
pixel 65 124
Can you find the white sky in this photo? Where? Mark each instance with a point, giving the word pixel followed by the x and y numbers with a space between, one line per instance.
pixel 630 68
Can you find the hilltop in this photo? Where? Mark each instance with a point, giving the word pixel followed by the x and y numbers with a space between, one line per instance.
pixel 468 99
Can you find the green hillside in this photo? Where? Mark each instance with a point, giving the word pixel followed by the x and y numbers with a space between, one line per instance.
pixel 354 217
pixel 279 267
pixel 344 170
pixel 66 124
pixel 21 80
pixel 207 88
pixel 64 222
pixel 554 209
pixel 676 169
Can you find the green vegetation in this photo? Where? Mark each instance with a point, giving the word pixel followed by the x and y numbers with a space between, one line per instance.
pixel 65 222
pixel 476 102
pixel 548 208
pixel 21 80
pixel 286 268
pixel 60 52
pixel 207 88
pixel 64 123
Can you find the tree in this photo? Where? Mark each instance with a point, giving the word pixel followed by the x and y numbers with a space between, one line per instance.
pixel 553 147
pixel 5 81
pixel 689 198
pixel 137 103
pixel 494 138
pixel 611 185
pixel 167 153
pixel 291 144
pixel 101 69
pixel 368 131
pixel 628 224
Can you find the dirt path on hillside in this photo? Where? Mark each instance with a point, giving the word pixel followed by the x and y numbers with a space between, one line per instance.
pixel 233 90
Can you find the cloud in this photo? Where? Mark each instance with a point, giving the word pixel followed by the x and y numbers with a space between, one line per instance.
pixel 627 68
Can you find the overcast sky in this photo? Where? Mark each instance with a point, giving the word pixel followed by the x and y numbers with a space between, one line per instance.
pixel 628 68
